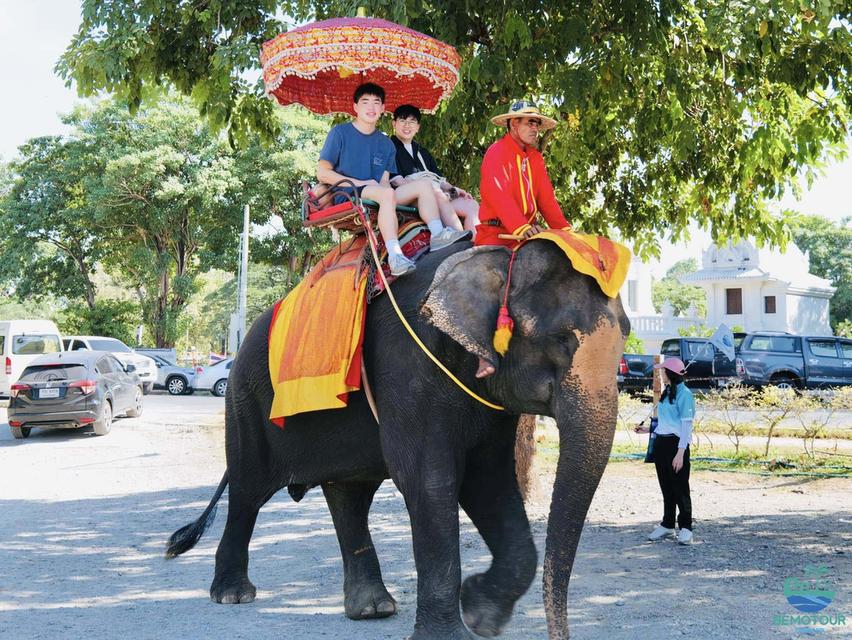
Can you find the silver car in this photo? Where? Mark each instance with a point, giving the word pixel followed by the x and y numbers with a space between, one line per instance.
pixel 174 379
pixel 214 378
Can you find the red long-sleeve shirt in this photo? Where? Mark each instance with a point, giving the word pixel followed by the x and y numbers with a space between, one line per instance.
pixel 514 189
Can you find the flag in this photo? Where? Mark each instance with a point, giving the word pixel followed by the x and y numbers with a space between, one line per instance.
pixel 723 340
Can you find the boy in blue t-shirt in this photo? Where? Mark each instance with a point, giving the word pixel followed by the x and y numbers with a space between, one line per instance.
pixel 358 151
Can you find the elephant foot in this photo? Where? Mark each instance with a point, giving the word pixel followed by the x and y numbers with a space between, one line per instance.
pixel 483 614
pixel 232 591
pixel 459 633
pixel 368 599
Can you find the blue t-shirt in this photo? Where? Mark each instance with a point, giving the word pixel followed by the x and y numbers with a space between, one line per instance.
pixel 356 155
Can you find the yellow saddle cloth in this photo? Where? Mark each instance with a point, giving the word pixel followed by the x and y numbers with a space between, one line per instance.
pixel 601 258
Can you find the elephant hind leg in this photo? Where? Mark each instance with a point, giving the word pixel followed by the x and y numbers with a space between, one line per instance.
pixel 231 584
pixel 364 592
pixel 491 498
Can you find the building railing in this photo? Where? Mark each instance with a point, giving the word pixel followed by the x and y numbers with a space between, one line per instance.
pixel 657 325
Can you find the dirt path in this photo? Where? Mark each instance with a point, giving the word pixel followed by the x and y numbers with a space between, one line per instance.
pixel 84 521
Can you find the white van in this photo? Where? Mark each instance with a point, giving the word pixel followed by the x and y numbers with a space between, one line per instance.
pixel 22 341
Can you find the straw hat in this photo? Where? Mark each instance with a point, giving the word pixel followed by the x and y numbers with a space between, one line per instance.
pixel 524 109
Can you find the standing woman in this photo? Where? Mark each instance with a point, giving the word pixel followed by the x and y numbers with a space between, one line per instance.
pixel 671 451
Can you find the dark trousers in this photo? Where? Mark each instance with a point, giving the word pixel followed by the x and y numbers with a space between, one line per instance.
pixel 675 486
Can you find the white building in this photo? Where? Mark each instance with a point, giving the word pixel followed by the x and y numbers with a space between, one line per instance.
pixel 763 289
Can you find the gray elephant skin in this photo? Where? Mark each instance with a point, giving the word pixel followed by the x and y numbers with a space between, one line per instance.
pixel 441 447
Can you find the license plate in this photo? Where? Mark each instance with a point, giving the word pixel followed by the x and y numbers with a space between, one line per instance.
pixel 48 393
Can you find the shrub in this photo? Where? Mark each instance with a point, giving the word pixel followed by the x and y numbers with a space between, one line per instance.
pixel 112 318
pixel 730 402
pixel 773 406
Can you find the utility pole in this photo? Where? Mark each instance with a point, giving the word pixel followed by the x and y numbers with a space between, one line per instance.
pixel 243 279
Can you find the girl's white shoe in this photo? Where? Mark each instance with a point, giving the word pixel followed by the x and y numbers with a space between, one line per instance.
pixel 661 532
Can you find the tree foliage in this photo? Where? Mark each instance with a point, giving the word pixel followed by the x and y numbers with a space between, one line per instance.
pixel 670 111
pixel 114 318
pixel 680 297
pixel 829 246
pixel 49 245
pixel 155 198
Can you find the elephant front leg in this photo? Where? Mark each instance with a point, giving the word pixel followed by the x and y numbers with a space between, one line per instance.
pixel 231 584
pixel 431 495
pixel 491 498
pixel 364 592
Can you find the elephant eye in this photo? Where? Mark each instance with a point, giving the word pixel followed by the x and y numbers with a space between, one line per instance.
pixel 565 338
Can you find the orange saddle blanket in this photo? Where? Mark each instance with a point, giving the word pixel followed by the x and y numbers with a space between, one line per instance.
pixel 316 333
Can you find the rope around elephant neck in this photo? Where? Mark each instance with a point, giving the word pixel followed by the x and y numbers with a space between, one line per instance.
pixel 371 240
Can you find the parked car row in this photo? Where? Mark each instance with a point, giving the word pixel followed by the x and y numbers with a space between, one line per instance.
pixel 145 367
pixel 762 358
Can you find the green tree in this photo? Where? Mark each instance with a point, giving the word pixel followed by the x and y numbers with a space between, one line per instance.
pixel 155 198
pixel 49 245
pixel 670 111
pixel 634 344
pixel 681 297
pixel 829 246
pixel 114 318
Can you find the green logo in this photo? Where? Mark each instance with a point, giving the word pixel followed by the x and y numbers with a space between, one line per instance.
pixel 810 594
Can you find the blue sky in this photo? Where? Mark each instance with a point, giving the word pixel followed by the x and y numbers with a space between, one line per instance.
pixel 34 33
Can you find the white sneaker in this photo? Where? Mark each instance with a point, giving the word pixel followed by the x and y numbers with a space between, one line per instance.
pixel 399 264
pixel 684 536
pixel 446 238
pixel 661 532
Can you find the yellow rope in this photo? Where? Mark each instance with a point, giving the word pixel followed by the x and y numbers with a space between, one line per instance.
pixel 423 347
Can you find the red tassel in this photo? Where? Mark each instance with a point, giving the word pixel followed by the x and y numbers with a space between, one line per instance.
pixel 503 334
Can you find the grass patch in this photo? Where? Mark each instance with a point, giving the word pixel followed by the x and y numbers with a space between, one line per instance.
pixel 781 461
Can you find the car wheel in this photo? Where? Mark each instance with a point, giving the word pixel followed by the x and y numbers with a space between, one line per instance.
pixel 176 386
pixel 147 388
pixel 19 433
pixel 136 410
pixel 103 424
pixel 784 382
pixel 219 388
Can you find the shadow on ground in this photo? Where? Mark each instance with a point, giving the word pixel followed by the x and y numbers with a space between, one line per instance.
pixel 95 569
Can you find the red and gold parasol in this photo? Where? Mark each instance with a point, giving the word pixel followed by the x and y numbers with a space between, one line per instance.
pixel 319 65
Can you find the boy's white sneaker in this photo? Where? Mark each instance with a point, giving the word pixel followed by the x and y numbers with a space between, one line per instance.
pixel 661 532
pixel 684 536
pixel 446 238
pixel 399 264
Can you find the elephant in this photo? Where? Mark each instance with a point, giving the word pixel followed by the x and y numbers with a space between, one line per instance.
pixel 441 447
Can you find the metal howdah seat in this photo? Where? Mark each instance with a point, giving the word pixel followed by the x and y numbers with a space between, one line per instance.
pixel 338 206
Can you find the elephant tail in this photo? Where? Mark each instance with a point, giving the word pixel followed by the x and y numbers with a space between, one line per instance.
pixel 187 537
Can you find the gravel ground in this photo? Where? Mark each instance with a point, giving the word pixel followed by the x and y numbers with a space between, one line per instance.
pixel 85 519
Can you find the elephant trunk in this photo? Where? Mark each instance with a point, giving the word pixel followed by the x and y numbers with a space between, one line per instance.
pixel 586 418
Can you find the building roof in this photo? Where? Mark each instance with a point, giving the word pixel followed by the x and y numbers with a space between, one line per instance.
pixel 744 261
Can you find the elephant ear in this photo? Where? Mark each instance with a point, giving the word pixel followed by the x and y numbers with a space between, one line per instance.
pixel 465 295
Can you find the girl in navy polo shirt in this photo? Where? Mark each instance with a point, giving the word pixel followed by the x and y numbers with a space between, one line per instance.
pixel 671 451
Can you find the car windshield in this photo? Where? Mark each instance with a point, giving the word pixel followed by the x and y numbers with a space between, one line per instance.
pixel 47 372
pixel 109 344
pixel 34 344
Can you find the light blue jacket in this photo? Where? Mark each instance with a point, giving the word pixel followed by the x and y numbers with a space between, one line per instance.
pixel 676 418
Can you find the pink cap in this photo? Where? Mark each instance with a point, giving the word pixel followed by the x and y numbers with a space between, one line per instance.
pixel 672 364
